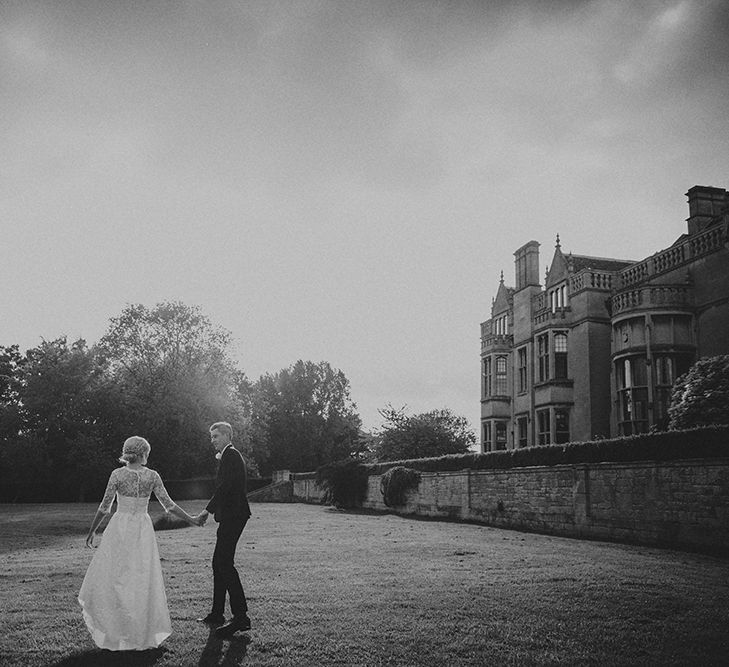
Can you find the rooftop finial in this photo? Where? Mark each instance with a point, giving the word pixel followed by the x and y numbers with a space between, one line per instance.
pixel 557 245
pixel 502 276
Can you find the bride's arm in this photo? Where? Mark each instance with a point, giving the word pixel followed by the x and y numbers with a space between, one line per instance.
pixel 99 516
pixel 170 505
pixel 180 513
pixel 104 508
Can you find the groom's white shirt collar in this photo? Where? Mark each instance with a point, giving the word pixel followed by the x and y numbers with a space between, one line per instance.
pixel 219 455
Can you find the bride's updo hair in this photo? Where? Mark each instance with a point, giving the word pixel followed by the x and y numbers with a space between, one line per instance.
pixel 135 449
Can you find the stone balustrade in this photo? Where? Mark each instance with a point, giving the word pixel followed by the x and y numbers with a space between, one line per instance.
pixel 651 297
pixel 677 255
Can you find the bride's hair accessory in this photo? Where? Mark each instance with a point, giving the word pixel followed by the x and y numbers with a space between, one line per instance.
pixel 135 449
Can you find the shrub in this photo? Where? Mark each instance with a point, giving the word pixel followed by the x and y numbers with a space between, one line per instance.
pixel 396 482
pixel 344 483
pixel 701 396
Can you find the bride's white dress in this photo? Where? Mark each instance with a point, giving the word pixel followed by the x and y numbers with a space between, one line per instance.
pixel 123 594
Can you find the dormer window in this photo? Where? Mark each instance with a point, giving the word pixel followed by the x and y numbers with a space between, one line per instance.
pixel 500 325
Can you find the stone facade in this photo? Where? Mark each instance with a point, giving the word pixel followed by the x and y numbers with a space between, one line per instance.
pixel 679 504
pixel 594 352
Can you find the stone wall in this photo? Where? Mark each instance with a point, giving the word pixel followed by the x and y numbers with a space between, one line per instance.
pixel 277 492
pixel 682 504
pixel 305 489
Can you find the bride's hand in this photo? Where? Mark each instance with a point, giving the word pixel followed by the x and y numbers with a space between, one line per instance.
pixel 90 541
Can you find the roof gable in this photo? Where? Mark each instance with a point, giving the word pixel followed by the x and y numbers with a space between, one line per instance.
pixel 559 269
pixel 565 265
pixel 503 300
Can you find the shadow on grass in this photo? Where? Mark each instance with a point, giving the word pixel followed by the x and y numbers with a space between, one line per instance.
pixel 237 648
pixel 232 651
pixel 102 658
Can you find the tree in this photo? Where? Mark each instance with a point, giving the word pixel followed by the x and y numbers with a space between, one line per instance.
pixel 62 410
pixel 701 396
pixel 427 434
pixel 176 375
pixel 11 365
pixel 303 417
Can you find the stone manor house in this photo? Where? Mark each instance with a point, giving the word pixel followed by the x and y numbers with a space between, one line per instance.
pixel 595 350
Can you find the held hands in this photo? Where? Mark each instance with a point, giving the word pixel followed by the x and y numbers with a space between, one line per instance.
pixel 200 519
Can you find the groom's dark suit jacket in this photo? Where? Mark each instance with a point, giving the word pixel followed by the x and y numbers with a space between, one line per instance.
pixel 230 502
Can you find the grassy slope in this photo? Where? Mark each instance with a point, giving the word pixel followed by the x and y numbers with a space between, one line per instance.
pixel 328 587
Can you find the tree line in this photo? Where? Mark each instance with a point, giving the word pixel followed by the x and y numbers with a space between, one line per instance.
pixel 166 373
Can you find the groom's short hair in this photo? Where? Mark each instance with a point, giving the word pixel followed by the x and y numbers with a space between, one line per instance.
pixel 223 427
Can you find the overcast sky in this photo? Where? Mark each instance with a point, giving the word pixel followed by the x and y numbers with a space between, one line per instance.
pixel 342 181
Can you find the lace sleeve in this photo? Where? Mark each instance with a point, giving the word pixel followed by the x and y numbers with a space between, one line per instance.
pixel 109 494
pixel 161 493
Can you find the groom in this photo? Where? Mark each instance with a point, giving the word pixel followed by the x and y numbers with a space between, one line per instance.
pixel 229 506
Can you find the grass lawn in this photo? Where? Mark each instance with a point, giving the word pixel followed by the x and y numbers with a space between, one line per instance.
pixel 335 588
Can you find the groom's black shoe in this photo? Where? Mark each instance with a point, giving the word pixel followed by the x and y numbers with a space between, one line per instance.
pixel 238 623
pixel 212 619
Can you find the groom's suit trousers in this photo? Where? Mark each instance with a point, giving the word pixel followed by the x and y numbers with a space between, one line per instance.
pixel 225 576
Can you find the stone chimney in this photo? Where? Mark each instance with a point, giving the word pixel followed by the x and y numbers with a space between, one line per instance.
pixel 527 265
pixel 704 204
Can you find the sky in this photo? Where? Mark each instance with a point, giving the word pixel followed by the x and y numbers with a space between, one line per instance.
pixel 342 181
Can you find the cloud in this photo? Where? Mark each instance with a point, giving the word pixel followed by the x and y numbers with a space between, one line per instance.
pixel 362 170
pixel 678 45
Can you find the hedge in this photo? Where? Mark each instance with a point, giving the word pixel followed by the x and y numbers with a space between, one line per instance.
pixel 395 484
pixel 698 443
pixel 344 483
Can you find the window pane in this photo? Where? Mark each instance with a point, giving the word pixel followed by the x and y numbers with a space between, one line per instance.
pixel 500 432
pixel 640 404
pixel 501 379
pixel 487 436
pixel 522 362
pixel 560 366
pixel 640 375
pixel 543 353
pixel 543 424
pixel 522 425
pixel 562 426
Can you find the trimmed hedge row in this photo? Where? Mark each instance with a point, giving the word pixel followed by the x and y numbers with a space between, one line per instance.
pixel 698 443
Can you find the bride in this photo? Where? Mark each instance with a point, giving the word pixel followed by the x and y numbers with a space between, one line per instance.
pixel 123 594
